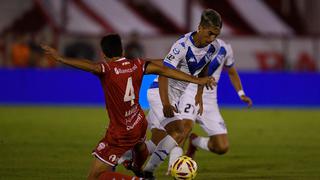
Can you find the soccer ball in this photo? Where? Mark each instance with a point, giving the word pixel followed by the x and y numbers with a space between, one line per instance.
pixel 184 168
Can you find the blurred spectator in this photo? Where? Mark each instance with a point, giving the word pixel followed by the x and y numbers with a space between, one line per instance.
pixel 134 49
pixel 20 51
pixel 80 49
pixel 2 51
pixel 7 40
pixel 36 57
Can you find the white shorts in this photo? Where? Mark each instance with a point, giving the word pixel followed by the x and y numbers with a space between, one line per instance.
pixel 211 120
pixel 155 116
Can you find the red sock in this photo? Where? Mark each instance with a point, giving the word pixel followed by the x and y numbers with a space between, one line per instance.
pixel 116 176
pixel 140 155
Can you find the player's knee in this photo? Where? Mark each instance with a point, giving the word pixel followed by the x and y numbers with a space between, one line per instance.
pixel 178 136
pixel 176 131
pixel 221 148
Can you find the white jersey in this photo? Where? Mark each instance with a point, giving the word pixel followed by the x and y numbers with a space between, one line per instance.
pixel 223 58
pixel 188 58
pixel 211 120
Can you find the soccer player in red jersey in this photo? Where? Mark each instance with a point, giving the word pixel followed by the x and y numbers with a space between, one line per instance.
pixel 121 80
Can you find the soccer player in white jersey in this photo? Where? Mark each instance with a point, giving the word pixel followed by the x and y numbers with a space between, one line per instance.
pixel 209 117
pixel 207 113
pixel 190 54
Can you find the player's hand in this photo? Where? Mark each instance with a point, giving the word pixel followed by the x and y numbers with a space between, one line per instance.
pixel 198 101
pixel 169 110
pixel 247 100
pixel 51 52
pixel 208 81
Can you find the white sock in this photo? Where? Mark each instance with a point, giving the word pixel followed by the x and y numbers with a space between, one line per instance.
pixel 150 146
pixel 201 142
pixel 160 154
pixel 174 154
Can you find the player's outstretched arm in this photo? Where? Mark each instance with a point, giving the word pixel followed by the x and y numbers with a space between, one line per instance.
pixel 153 68
pixel 82 64
pixel 198 97
pixel 236 82
pixel 168 109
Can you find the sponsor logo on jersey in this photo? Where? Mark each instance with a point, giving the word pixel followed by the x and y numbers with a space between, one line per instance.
pixel 116 70
pixel 192 59
pixel 133 110
pixel 112 158
pixel 129 121
pixel 123 71
pixel 170 57
pixel 101 146
pixel 176 51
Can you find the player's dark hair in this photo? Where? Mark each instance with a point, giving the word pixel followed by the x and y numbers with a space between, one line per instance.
pixel 111 45
pixel 210 17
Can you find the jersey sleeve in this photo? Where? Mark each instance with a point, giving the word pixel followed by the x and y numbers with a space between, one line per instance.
pixel 175 55
pixel 143 64
pixel 229 56
pixel 105 67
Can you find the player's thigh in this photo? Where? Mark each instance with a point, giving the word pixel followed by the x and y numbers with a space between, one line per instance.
pixel 179 127
pixel 176 130
pixel 174 97
pixel 155 114
pixel 211 120
pixel 188 113
pixel 155 117
pixel 188 109
pixel 187 125
pixel 187 128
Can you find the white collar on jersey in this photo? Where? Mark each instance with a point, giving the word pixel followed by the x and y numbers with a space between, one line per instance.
pixel 121 59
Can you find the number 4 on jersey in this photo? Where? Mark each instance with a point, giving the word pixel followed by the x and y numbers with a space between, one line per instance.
pixel 129 95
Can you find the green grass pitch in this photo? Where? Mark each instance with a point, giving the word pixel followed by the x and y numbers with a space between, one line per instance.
pixel 56 142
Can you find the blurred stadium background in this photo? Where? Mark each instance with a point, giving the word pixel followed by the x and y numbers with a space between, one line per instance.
pixel 277 50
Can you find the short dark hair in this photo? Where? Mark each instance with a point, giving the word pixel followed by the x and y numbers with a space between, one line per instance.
pixel 210 17
pixel 111 45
